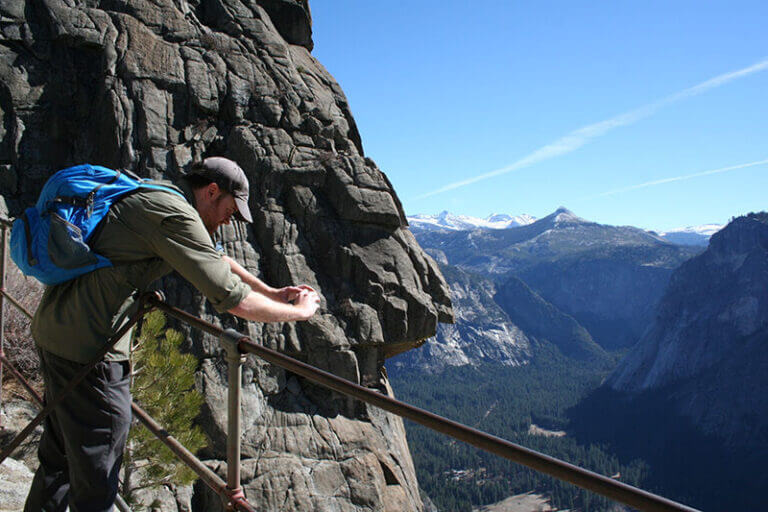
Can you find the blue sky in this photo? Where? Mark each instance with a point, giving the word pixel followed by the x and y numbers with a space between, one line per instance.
pixel 521 107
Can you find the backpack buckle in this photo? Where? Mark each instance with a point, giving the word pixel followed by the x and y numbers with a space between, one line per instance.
pixel 89 204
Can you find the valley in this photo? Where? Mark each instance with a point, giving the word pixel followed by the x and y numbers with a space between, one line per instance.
pixel 545 314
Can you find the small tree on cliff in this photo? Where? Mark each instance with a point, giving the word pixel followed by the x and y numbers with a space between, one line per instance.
pixel 163 380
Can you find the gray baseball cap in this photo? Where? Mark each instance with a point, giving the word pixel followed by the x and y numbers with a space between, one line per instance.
pixel 228 176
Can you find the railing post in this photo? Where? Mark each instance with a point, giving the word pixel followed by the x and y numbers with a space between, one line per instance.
pixel 3 252
pixel 235 359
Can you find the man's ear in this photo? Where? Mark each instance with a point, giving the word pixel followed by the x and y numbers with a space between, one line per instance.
pixel 212 190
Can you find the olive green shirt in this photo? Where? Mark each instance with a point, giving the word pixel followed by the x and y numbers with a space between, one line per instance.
pixel 145 235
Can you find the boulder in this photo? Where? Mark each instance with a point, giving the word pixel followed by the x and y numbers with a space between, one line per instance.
pixel 16 478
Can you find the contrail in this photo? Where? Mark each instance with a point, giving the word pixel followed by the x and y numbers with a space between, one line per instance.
pixel 585 134
pixel 676 178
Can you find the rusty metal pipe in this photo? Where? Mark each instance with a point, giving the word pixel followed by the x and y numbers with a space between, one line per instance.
pixel 185 317
pixel 235 359
pixel 3 259
pixel 121 505
pixel 20 378
pixel 15 303
pixel 210 478
pixel 78 378
pixel 562 470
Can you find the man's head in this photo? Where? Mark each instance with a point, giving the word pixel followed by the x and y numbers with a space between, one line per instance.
pixel 221 191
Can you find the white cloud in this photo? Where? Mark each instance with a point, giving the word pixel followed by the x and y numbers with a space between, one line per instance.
pixel 677 178
pixel 577 138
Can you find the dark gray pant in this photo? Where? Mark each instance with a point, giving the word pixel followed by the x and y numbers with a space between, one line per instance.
pixel 81 448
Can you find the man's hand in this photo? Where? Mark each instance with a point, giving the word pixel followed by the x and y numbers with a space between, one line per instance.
pixel 267 304
pixel 307 301
pixel 289 294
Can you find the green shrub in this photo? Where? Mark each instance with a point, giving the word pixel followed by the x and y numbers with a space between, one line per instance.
pixel 163 384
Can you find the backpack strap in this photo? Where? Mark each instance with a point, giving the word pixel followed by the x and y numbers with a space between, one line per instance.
pixel 87 201
pixel 28 235
pixel 143 184
pixel 74 201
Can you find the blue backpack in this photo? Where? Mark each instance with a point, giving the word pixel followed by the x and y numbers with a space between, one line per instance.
pixel 50 240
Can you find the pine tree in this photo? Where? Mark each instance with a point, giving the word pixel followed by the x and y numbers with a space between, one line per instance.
pixel 163 380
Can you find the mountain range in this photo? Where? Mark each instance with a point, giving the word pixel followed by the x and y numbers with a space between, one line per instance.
pixel 542 313
pixel 605 279
pixel 691 235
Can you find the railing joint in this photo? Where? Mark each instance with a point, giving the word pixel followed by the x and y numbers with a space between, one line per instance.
pixel 233 497
pixel 230 340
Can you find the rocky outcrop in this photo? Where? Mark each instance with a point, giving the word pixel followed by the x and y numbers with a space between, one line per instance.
pixel 152 85
pixel 15 415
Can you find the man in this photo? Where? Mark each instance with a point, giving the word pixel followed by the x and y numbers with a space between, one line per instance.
pixel 146 235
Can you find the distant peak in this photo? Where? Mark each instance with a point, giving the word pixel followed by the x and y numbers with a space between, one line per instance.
pixel 564 216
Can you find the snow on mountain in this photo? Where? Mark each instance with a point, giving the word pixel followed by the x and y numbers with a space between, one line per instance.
pixel 706 229
pixel 446 220
pixel 691 235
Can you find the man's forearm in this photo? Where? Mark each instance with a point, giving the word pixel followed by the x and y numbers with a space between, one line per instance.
pixel 260 308
pixel 251 280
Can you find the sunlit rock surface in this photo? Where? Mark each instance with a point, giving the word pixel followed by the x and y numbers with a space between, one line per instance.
pixel 151 85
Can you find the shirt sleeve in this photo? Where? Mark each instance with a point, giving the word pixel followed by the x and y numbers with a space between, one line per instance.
pixel 183 242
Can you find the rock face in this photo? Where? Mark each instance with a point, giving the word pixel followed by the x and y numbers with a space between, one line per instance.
pixel 709 342
pixel 16 478
pixel 483 331
pixel 497 323
pixel 151 85
pixel 542 320
pixel 691 398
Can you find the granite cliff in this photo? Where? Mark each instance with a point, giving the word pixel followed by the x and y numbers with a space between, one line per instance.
pixel 690 397
pixel 152 85
pixel 482 333
pixel 708 342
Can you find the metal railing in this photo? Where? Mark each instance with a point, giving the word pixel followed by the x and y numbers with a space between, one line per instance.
pixel 236 345
pixel 230 491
